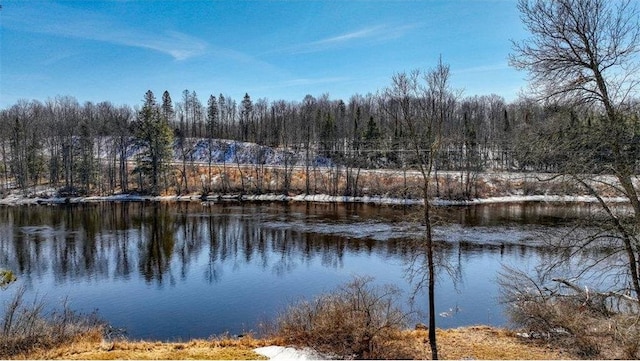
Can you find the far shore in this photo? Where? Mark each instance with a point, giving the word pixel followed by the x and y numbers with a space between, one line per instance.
pixel 44 199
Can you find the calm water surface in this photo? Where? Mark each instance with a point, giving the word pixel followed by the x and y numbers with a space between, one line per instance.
pixel 182 270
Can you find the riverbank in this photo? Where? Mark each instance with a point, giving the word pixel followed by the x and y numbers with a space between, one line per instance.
pixel 475 342
pixel 48 197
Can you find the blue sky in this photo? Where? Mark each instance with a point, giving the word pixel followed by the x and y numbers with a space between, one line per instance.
pixel 117 50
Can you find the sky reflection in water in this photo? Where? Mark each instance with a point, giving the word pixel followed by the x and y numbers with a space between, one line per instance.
pixel 183 270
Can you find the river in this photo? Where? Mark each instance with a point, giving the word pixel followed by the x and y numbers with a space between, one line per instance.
pixel 175 271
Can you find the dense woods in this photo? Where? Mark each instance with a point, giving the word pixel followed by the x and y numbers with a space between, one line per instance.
pixel 155 148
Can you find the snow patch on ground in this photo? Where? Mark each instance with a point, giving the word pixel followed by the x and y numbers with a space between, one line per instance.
pixel 288 353
pixel 534 198
pixel 231 151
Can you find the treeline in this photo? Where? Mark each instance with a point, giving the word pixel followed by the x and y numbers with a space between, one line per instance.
pixel 105 148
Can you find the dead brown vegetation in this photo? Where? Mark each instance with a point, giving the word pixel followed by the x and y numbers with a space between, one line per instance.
pixel 476 342
pixel 359 320
pixel 489 343
pixel 381 182
pixel 27 326
pixel 584 322
pixel 92 347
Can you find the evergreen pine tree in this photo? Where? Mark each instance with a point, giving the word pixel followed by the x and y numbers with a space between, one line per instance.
pixel 167 106
pixel 245 118
pixel 154 138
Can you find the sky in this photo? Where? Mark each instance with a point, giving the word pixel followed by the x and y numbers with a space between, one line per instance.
pixel 117 50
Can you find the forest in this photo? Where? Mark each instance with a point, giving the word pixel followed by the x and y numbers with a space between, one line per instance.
pixel 162 146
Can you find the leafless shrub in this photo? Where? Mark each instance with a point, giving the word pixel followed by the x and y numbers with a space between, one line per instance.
pixel 572 317
pixel 26 326
pixel 356 321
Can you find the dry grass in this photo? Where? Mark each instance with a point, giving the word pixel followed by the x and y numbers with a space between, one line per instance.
pixel 477 342
pixel 92 347
pixel 395 183
pixel 473 343
pixel 488 343
pixel 383 182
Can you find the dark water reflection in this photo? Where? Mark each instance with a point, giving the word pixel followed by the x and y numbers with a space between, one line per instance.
pixel 182 270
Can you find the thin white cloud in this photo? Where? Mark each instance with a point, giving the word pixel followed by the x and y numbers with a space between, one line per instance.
pixel 358 34
pixel 180 46
pixel 73 23
pixel 366 35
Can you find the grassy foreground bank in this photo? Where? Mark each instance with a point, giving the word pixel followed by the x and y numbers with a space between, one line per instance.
pixel 476 342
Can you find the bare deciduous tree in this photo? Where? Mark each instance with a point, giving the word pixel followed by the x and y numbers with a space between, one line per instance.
pixel 421 109
pixel 583 55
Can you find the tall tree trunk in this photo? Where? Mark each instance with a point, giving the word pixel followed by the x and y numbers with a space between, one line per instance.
pixel 431 270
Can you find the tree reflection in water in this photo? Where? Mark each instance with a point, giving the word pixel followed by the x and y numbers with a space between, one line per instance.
pixel 110 240
pixel 207 251
pixel 157 243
